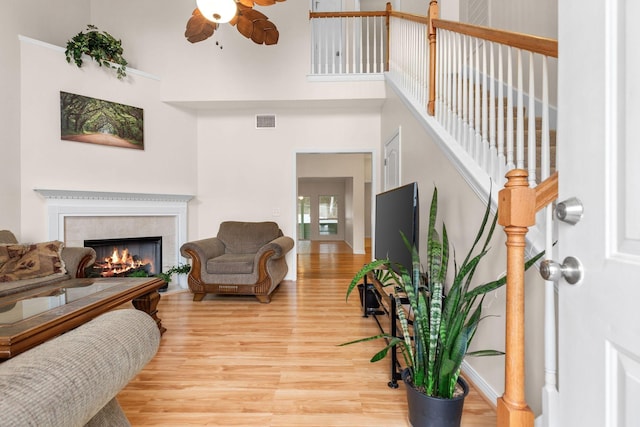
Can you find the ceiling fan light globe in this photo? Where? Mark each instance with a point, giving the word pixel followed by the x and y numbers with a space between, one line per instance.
pixel 218 11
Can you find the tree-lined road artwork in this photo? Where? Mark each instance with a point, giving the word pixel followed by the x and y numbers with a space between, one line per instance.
pixel 96 121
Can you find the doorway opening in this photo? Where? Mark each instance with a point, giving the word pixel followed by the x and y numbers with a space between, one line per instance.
pixel 333 199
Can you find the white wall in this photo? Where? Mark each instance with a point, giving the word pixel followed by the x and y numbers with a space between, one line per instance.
pixel 24 17
pixel 152 33
pixel 462 210
pixel 525 16
pixel 247 173
pixel 314 188
pixel 166 165
pixel 448 8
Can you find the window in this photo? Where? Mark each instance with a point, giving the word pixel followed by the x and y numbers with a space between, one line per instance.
pixel 328 215
pixel 304 218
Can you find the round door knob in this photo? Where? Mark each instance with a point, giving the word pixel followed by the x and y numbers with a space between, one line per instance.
pixel 570 211
pixel 570 269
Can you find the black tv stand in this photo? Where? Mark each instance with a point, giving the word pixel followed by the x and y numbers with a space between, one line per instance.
pixel 386 312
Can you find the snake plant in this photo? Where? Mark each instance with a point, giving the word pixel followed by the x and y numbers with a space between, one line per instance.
pixel 445 317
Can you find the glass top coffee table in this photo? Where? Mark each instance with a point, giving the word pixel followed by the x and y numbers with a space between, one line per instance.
pixel 31 317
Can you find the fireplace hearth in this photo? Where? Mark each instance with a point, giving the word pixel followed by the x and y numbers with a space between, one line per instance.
pixel 129 256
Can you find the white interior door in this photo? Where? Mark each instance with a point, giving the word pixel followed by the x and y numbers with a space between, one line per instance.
pixel 392 162
pixel 599 151
pixel 327 38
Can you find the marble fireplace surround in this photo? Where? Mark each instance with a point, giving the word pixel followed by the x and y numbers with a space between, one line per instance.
pixel 74 216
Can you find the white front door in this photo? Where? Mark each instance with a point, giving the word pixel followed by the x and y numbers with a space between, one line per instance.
pixel 598 158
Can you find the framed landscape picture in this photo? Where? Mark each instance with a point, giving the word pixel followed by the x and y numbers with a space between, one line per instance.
pixel 96 121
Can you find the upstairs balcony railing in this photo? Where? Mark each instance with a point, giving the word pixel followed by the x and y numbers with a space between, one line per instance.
pixel 349 43
pixel 489 89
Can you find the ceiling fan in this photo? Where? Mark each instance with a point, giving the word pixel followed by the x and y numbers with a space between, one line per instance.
pixel 209 14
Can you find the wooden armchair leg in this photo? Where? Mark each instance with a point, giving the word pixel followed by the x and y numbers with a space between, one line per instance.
pixel 265 299
pixel 198 296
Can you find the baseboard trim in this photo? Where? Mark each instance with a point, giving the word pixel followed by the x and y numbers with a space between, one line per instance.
pixel 484 388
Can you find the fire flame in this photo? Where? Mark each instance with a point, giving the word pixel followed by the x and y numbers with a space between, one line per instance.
pixel 118 264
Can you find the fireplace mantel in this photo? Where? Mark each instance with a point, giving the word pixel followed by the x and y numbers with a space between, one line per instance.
pixel 107 195
pixel 66 204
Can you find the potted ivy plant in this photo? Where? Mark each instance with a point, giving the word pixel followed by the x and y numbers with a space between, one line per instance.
pixel 437 320
pixel 105 49
pixel 176 269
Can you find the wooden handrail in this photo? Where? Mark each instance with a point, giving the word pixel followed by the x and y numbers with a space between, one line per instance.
pixel 517 207
pixel 547 192
pixel 360 14
pixel 541 45
pixel 410 17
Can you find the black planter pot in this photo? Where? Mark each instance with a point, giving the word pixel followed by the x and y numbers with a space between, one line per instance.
pixel 427 411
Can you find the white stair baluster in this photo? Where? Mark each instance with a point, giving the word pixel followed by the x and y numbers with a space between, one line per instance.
pixel 478 113
pixel 520 115
pixel 493 151
pixel 545 169
pixel 465 95
pixel 532 140
pixel 484 147
pixel 500 172
pixel 510 131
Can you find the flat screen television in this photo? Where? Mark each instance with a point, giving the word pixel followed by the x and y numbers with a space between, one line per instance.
pixel 397 210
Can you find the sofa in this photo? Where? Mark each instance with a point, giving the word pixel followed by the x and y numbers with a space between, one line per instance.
pixel 245 258
pixel 30 265
pixel 73 379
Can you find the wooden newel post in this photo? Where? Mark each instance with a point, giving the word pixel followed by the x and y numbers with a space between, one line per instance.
pixel 516 213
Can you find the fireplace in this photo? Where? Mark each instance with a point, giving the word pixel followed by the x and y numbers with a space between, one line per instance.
pixel 76 216
pixel 129 256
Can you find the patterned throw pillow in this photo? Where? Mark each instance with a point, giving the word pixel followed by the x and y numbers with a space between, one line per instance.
pixel 18 261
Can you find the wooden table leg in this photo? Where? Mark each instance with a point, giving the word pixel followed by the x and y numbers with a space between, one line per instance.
pixel 149 304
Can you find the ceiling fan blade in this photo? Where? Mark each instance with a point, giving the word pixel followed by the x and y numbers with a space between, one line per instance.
pixel 265 32
pixel 242 9
pixel 257 35
pixel 271 36
pixel 199 28
pixel 256 26
pixel 251 3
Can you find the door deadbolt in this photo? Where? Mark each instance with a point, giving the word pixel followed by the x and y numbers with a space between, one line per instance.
pixel 570 210
pixel 571 270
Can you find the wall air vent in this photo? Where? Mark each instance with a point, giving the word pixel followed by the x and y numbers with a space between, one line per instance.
pixel 265 121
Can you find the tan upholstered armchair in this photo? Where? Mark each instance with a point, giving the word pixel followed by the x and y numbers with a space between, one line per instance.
pixel 246 258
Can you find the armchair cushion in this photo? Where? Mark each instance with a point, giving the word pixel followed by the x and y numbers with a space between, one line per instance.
pixel 247 237
pixel 231 264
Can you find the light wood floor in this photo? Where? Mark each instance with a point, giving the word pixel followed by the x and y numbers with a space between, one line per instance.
pixel 231 361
